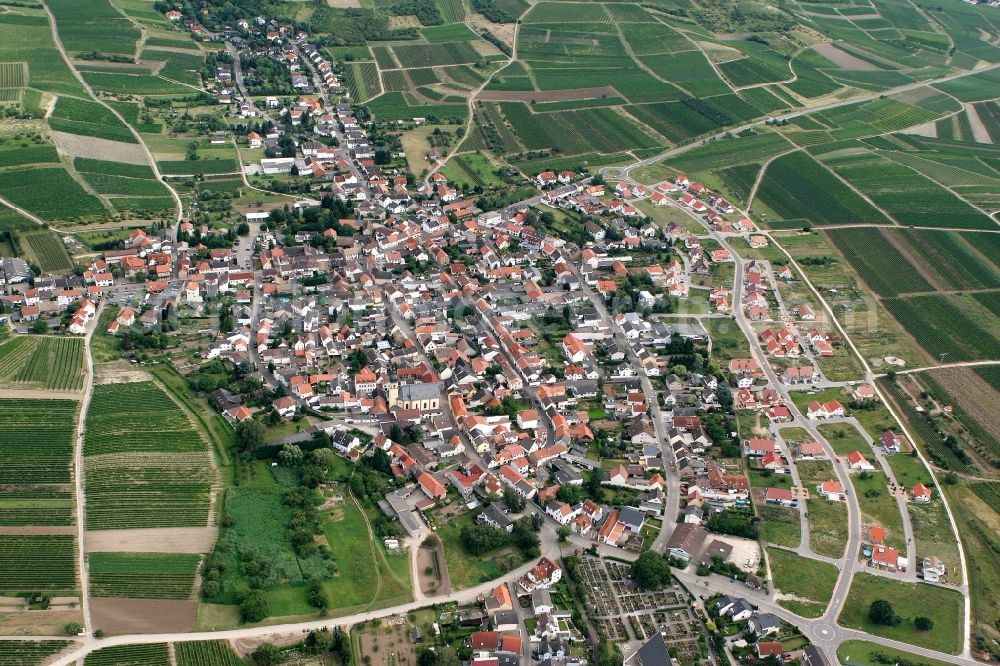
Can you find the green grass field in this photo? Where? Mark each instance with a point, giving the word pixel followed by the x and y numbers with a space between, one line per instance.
pixel 807 579
pixel 909 600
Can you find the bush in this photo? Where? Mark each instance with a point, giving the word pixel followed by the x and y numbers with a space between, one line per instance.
pixel 923 623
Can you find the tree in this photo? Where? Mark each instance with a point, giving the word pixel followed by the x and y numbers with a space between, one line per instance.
pixel 439 656
pixel 923 623
pixel 881 612
pixel 39 326
pixel 513 501
pixel 249 435
pixel 651 571
pixel 317 597
pixel 267 654
pixel 563 532
pixel 291 455
pixel 570 494
pixel 72 628
pixel 253 608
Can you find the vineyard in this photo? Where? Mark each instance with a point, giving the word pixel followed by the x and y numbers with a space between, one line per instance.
pixel 42 362
pixel 142 575
pixel 36 441
pixel 151 654
pixel 136 490
pixel 883 268
pixel 48 250
pixel 206 653
pixel 795 186
pixel 137 417
pixel 906 195
pixel 983 440
pixel 12 74
pixel 36 564
pixel 36 505
pixel 942 326
pixel 956 263
pixel 28 653
pixel 989 492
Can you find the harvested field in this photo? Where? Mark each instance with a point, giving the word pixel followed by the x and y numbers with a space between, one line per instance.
pixel 344 4
pixel 98 149
pixel 843 59
pixel 153 540
pixel 138 616
pixel 38 623
pixel 546 95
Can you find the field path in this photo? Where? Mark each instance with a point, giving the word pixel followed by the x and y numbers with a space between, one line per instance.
pixel 472 102
pixel 81 431
pixel 760 176
pixel 90 91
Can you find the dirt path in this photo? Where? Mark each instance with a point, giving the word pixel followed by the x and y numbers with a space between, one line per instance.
pixel 39 394
pixel 57 40
pixel 760 176
pixel 78 470
pixel 38 529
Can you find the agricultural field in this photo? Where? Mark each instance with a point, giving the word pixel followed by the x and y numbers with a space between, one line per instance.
pixel 950 258
pixel 37 564
pixel 47 250
pixel 29 653
pixel 955 327
pixel 797 187
pixel 87 26
pixel 79 116
pixel 142 575
pixel 151 654
pixel 21 187
pixel 36 505
pixel 37 362
pixel 36 442
pixel 157 461
pixel 908 197
pixel 883 268
pixel 206 653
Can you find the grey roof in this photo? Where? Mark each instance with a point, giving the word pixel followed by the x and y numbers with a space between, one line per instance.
pixel 815 657
pixel 505 617
pixel 652 653
pixel 631 516
pixel 765 621
pixel 420 391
